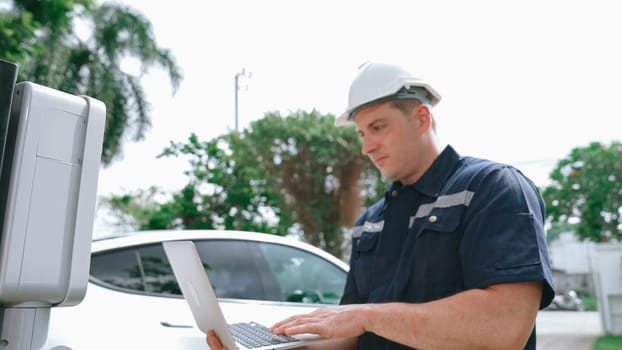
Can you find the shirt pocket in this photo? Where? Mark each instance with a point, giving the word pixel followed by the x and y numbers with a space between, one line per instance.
pixel 366 242
pixel 440 220
pixel 362 261
pixel 437 264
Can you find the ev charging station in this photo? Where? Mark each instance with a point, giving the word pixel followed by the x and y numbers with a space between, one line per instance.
pixel 50 152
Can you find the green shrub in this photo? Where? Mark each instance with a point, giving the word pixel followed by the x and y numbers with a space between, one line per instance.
pixel 608 342
pixel 589 303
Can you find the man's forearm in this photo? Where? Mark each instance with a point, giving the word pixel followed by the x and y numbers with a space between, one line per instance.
pixel 501 316
pixel 333 344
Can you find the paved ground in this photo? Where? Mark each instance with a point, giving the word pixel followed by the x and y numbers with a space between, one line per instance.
pixel 567 330
pixel 565 342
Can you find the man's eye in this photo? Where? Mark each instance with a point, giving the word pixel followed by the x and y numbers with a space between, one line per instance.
pixel 377 127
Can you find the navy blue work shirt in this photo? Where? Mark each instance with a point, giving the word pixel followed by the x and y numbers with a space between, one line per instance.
pixel 466 223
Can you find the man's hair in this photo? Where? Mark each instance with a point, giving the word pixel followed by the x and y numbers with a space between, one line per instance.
pixel 407 105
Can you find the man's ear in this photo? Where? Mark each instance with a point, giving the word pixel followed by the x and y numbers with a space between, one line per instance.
pixel 423 117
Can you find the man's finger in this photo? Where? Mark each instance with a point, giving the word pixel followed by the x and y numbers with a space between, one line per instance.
pixel 214 342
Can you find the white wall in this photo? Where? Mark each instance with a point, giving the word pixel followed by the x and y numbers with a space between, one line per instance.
pixel 569 254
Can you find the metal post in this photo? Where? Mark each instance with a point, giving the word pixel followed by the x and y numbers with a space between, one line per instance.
pixel 242 73
pixel 237 76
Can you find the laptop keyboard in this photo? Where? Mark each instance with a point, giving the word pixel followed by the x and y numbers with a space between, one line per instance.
pixel 253 335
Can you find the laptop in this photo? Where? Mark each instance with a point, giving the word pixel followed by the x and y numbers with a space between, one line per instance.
pixel 199 294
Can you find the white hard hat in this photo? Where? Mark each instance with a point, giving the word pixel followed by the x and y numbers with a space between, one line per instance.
pixel 379 82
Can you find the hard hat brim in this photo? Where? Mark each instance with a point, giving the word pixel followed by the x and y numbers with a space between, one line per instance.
pixel 344 119
pixel 429 97
pixel 379 82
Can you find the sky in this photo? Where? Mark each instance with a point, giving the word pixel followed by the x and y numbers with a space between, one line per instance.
pixel 522 82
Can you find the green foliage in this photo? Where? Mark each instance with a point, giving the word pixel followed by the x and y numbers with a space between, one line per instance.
pixel 608 342
pixel 587 188
pixel 18 40
pixel 135 210
pixel 313 168
pixel 225 192
pixel 41 37
pixel 557 229
pixel 589 303
pixel 284 175
pixel 218 195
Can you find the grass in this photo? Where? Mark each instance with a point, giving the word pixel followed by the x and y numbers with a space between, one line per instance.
pixel 589 303
pixel 608 342
pixel 605 342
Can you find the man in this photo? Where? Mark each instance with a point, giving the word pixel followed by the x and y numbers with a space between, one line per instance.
pixel 453 257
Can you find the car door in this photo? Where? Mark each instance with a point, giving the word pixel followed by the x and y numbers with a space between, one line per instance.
pixel 133 300
pixel 131 303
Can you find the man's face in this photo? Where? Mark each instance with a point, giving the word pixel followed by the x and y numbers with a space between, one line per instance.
pixel 391 139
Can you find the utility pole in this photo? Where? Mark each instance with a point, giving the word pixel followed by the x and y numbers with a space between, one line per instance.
pixel 242 73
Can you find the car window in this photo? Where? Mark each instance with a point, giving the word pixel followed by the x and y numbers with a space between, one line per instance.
pixel 231 269
pixel 228 263
pixel 136 269
pixel 303 276
pixel 236 269
pixel 230 266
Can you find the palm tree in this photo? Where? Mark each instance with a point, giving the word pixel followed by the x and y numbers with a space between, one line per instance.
pixel 92 66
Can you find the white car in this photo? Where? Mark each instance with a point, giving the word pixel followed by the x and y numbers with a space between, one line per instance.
pixel 133 300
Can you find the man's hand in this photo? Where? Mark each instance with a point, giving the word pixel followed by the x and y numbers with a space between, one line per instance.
pixel 345 321
pixel 322 321
pixel 214 342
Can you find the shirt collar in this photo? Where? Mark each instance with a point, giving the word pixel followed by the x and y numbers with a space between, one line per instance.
pixel 431 183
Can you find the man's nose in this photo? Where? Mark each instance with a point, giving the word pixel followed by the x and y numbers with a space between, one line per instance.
pixel 368 145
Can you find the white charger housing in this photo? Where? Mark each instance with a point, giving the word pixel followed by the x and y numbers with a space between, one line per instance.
pixel 48 187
